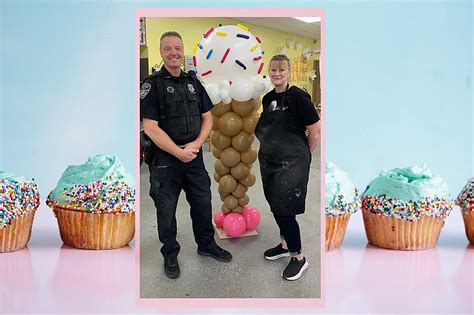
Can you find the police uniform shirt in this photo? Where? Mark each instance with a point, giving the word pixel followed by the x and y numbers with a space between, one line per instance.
pixel 149 107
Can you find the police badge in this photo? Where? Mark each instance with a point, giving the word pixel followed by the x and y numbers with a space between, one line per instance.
pixel 144 90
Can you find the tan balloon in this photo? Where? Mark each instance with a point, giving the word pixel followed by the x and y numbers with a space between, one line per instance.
pixel 244 200
pixel 243 108
pixel 215 119
pixel 238 209
pixel 239 191
pixel 249 157
pixel 219 140
pixel 222 197
pixel 248 181
pixel 240 171
pixel 216 152
pixel 230 124
pixel 225 209
pixel 230 157
pixel 231 202
pixel 242 141
pixel 216 177
pixel 228 183
pixel 258 103
pixel 220 109
pixel 221 192
pixel 250 122
pixel 220 168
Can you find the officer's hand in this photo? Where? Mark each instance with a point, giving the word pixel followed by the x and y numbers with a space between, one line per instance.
pixel 187 154
pixel 193 145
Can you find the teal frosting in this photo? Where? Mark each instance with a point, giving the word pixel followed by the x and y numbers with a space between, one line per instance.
pixel 106 168
pixel 338 183
pixel 341 195
pixel 13 178
pixel 408 184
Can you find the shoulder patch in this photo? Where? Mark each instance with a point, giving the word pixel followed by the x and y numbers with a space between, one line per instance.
pixel 145 90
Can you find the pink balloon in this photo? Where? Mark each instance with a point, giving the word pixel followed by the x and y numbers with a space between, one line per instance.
pixel 234 224
pixel 252 217
pixel 219 219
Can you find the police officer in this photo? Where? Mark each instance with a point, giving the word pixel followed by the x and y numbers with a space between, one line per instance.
pixel 174 108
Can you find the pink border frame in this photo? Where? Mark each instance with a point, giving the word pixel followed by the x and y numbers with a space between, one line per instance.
pixel 171 303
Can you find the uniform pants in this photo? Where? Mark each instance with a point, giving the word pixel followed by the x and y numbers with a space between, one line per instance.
pixel 168 176
pixel 290 232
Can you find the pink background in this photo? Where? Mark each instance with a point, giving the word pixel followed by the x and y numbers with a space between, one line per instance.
pixel 262 303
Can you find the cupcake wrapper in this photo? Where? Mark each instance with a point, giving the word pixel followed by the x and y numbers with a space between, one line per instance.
pixel 82 229
pixel 16 235
pixel 335 230
pixel 392 233
pixel 468 217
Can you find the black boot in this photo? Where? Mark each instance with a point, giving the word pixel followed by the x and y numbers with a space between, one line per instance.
pixel 216 252
pixel 172 267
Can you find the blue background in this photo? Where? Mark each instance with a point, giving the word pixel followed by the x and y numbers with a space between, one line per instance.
pixel 399 89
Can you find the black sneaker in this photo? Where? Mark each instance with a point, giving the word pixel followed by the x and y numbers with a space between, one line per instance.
pixel 218 253
pixel 172 267
pixel 295 269
pixel 276 252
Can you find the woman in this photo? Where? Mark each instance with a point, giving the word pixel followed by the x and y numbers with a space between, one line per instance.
pixel 285 157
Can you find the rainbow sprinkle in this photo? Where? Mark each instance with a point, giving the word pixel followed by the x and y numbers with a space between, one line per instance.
pixel 102 196
pixel 209 32
pixel 411 210
pixel 195 48
pixel 245 28
pixel 225 55
pixel 341 206
pixel 16 199
pixel 209 54
pixel 260 68
pixel 241 64
pixel 206 73
pixel 242 36
pixel 465 198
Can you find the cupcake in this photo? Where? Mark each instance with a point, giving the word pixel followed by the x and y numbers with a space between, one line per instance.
pixel 465 200
pixel 405 208
pixel 342 199
pixel 94 204
pixel 19 199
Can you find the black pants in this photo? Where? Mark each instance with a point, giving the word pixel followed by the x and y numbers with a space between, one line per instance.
pixel 290 232
pixel 168 176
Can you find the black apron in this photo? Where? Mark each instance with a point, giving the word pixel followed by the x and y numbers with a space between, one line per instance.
pixel 284 158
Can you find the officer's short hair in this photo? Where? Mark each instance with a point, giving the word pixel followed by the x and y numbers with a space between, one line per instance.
pixel 169 34
pixel 281 59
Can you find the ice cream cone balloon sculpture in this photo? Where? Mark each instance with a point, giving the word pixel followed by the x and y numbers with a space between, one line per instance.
pixel 229 61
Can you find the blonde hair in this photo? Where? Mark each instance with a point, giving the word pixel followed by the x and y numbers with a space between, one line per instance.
pixel 281 59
